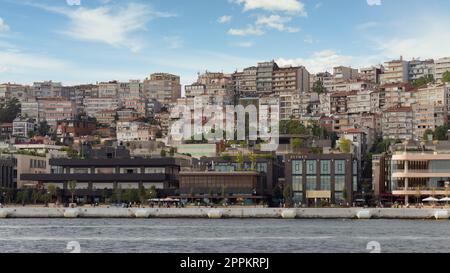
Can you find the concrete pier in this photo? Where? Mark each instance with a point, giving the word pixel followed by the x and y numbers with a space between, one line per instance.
pixel 226 213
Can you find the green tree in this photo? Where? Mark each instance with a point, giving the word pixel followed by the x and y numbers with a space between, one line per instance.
pixel 318 87
pixel 297 143
pixel 446 77
pixel 345 146
pixel 427 133
pixel 163 153
pixel 422 81
pixel 287 194
pixel 152 193
pixel 72 184
pixel 240 161
pixel 43 128
pixel 441 132
pixel 52 189
pixel 9 110
pixel 253 157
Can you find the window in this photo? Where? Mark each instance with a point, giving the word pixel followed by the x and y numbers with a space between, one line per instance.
pixel 261 167
pixel 297 183
pixel 339 184
pixel 325 167
pixel 325 183
pixel 80 171
pixel 297 167
pixel 155 170
pixel 339 167
pixel 311 183
pixel 311 167
pixel 355 183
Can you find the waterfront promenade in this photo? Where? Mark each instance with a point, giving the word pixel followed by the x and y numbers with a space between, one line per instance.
pixel 224 213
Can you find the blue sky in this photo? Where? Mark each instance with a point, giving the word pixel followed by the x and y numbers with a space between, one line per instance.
pixel 100 40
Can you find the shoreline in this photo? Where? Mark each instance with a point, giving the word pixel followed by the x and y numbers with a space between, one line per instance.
pixel 226 213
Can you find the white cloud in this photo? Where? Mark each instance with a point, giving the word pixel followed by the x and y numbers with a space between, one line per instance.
pixel 426 37
pixel 366 25
pixel 174 42
pixel 3 26
pixel 319 61
pixel 73 2
pixel 291 6
pixel 248 31
pixel 374 2
pixel 244 44
pixel 224 19
pixel 20 62
pixel 276 22
pixel 111 26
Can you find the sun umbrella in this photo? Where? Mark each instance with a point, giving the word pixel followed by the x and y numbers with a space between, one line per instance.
pixel 445 199
pixel 430 199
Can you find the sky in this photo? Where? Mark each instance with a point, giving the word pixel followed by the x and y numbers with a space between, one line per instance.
pixel 88 41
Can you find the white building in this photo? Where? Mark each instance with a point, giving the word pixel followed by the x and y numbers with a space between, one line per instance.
pixel 442 66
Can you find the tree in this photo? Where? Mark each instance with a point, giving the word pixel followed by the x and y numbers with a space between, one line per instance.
pixel 240 161
pixel 446 77
pixel 152 193
pixel 52 191
pixel 72 188
pixel 422 81
pixel 427 133
pixel 441 132
pixel 253 157
pixel 163 153
pixel 9 110
pixel 345 146
pixel 287 194
pixel 318 87
pixel 297 143
pixel 43 128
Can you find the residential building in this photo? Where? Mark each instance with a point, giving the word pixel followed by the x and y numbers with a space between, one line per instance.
pixel 264 77
pixel 93 106
pixel 371 74
pixel 398 123
pixel 163 87
pixel 393 95
pixel 54 109
pixel 322 179
pixel 133 131
pixel 418 68
pixel 30 109
pixel 245 82
pixel 291 79
pixel 76 127
pixel 343 73
pixel 47 89
pixel 108 89
pixel 396 71
pixel 442 65
pixel 22 127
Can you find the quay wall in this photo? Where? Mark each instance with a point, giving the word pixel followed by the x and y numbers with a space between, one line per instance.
pixel 225 213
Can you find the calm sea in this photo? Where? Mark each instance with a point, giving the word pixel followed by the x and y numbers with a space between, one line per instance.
pixel 211 236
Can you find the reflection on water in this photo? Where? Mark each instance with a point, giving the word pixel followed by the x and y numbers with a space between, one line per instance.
pixel 201 235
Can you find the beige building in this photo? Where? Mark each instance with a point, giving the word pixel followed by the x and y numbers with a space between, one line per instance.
pixel 343 73
pixel 245 81
pixel 441 66
pixel 163 87
pixel 92 106
pixel 54 109
pixel 291 79
pixel 397 123
pixel 395 71
pixel 108 89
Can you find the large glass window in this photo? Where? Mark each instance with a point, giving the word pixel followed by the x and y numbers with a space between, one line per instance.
pixel 325 167
pixel 355 183
pixel 325 183
pixel 311 167
pixel 297 167
pixel 339 184
pixel 155 170
pixel 311 183
pixel 298 197
pixel 80 170
pixel 297 183
pixel 261 167
pixel 339 167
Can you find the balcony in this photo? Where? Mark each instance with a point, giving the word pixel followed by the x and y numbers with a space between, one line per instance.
pixel 58 178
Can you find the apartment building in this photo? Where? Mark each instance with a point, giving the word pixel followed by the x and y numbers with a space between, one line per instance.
pixel 398 123
pixel 325 78
pixel 392 95
pixel 54 109
pixel 431 109
pixel 130 90
pixel 7 174
pixel 289 106
pixel 343 73
pixel 163 87
pixel 371 74
pixel 395 71
pixel 133 131
pixel 92 106
pixel 108 89
pixel 245 81
pixel 46 89
pixel 20 92
pixel 30 109
pixel 291 79
pixel 420 68
pixel 22 127
pixel 264 77
pixel 442 65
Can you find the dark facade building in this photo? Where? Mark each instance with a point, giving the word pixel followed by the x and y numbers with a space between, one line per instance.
pixel 245 185
pixel 268 168
pixel 7 173
pixel 97 176
pixel 328 178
